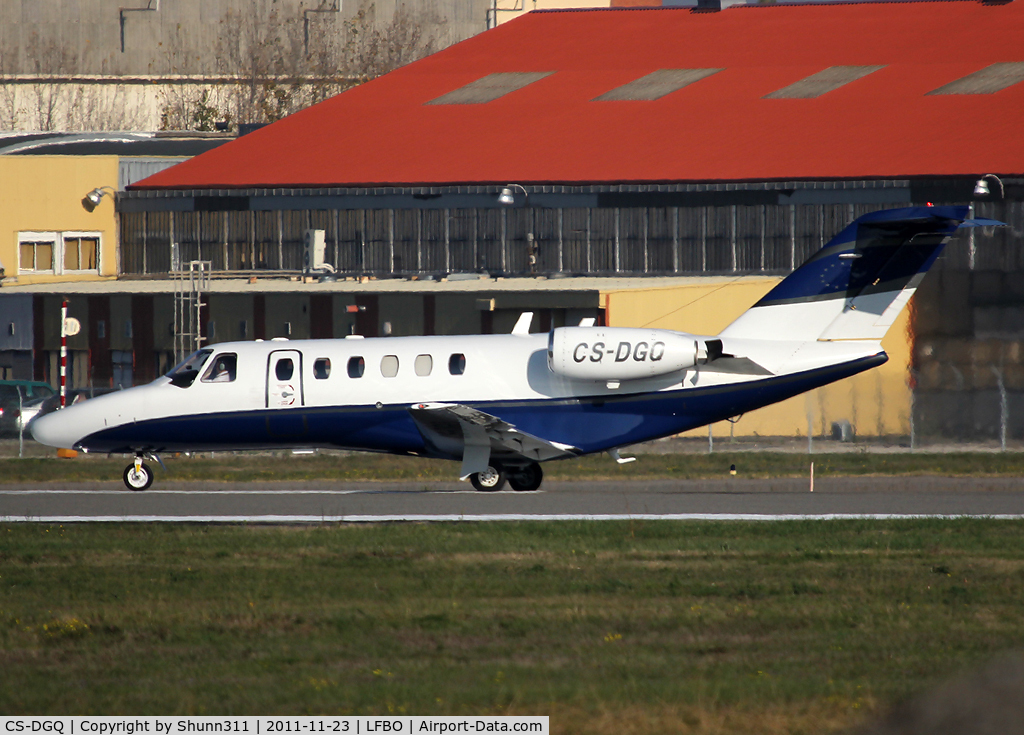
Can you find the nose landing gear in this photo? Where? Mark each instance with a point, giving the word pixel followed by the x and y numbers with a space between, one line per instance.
pixel 138 475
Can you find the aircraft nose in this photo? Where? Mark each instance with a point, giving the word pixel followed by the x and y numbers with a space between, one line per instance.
pixel 55 430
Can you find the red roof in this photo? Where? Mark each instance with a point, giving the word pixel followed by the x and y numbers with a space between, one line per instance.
pixel 720 128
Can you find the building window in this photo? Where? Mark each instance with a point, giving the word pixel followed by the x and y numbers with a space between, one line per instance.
pixel 389 366
pixel 424 364
pixel 58 252
pixel 35 252
pixel 457 364
pixel 356 367
pixel 80 252
pixel 322 368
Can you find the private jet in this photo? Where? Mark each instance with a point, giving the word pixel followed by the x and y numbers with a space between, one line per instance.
pixel 503 405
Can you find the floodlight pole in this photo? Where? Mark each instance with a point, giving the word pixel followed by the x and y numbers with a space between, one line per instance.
pixel 63 352
pixel 21 425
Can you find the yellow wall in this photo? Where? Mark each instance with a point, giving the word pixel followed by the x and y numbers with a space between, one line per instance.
pixel 509 9
pixel 876 402
pixel 44 194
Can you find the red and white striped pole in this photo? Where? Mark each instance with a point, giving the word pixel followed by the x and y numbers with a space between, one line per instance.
pixel 63 352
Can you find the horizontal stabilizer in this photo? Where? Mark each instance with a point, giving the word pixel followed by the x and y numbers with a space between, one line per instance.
pixel 980 222
pixel 735 366
pixel 456 429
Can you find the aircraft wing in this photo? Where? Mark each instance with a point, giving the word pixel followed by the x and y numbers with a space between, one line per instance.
pixel 457 429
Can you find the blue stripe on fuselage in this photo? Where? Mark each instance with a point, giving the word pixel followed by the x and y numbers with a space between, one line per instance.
pixel 589 424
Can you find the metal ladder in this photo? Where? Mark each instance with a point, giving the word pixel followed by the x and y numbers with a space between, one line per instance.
pixel 189 287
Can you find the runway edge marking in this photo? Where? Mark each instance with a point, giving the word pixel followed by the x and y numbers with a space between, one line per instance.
pixel 492 517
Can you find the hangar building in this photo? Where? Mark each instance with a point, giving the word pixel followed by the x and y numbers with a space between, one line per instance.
pixel 656 142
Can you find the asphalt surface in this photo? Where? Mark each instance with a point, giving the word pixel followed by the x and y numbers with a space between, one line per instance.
pixel 313 502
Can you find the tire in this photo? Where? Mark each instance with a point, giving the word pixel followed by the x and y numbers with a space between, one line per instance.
pixel 526 478
pixel 139 481
pixel 490 480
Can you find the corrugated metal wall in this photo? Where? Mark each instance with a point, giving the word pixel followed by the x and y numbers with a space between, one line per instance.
pixel 131 170
pixel 602 241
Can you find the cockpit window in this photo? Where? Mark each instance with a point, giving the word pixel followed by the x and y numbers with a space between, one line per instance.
pixel 184 374
pixel 222 368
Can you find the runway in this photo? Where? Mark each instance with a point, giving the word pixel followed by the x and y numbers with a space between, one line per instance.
pixel 319 502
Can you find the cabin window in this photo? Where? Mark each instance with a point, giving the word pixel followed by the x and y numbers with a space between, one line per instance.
pixel 424 364
pixel 222 369
pixel 356 367
pixel 389 366
pixel 184 374
pixel 457 364
pixel 322 368
pixel 285 369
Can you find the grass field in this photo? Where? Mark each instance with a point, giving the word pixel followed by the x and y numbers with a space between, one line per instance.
pixel 226 467
pixel 613 627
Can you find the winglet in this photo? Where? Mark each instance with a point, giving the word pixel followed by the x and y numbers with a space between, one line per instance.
pixel 614 454
pixel 523 324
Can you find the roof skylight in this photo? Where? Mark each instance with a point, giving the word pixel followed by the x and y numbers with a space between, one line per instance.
pixel 656 85
pixel 823 82
pixel 490 88
pixel 987 81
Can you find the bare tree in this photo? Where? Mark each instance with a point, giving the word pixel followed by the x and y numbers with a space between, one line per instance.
pixel 10 105
pixel 49 98
pixel 107 107
pixel 193 107
pixel 282 64
pixel 260 48
pixel 271 59
pixel 373 50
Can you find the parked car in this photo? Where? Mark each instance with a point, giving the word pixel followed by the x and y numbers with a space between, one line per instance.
pixel 15 392
pixel 29 409
pixel 76 395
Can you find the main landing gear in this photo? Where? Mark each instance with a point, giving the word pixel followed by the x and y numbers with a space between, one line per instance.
pixel 521 478
pixel 138 475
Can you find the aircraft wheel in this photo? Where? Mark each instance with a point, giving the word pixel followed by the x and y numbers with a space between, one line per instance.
pixel 526 478
pixel 138 480
pixel 490 480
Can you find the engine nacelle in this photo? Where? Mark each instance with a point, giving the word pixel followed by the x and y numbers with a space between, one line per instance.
pixel 619 353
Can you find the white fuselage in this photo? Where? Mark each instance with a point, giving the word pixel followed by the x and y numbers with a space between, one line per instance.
pixel 508 374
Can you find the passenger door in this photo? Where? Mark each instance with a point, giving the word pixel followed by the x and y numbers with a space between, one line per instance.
pixel 284 379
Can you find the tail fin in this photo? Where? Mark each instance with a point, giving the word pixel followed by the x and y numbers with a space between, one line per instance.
pixel 857 284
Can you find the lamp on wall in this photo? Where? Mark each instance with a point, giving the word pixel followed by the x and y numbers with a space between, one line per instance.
pixel 92 200
pixel 982 188
pixel 507 196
